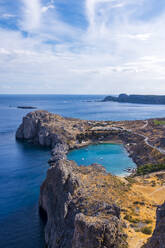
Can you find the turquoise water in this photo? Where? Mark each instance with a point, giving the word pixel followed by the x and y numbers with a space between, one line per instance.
pixel 113 156
pixel 23 167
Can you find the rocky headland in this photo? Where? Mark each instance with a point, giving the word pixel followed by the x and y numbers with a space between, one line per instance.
pixel 143 99
pixel 85 207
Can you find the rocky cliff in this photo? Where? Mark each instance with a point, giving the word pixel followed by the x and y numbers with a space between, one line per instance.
pixel 75 215
pixel 46 129
pixel 158 238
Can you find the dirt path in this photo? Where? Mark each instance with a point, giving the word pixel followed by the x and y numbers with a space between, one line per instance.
pixel 157 190
pixel 146 139
pixel 140 243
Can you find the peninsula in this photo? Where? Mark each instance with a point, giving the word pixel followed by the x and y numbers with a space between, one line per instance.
pixel 86 206
pixel 143 99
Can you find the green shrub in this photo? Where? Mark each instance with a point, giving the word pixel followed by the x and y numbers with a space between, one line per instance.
pixel 130 180
pixel 131 219
pixel 139 202
pixel 146 230
pixel 159 122
pixel 148 168
pixel 148 221
pixel 153 183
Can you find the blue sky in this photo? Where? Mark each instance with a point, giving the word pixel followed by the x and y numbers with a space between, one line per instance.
pixel 82 47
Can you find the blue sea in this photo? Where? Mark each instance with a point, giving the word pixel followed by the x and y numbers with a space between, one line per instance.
pixel 23 167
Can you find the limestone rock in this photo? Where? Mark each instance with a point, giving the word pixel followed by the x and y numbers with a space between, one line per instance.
pixel 72 221
pixel 158 238
pixel 94 232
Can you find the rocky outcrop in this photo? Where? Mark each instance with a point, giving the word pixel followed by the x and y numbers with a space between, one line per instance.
pixel 59 152
pixel 72 221
pixel 158 238
pixel 36 128
pixel 97 232
pixel 56 200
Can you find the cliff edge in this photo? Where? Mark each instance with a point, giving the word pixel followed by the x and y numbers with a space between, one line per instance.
pixel 158 237
pixel 76 216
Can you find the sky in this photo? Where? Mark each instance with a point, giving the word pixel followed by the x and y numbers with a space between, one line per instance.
pixel 82 46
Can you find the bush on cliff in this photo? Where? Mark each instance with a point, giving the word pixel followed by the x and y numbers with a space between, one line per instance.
pixel 146 230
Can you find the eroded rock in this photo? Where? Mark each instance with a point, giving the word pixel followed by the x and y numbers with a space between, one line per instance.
pixel 72 220
pixel 158 238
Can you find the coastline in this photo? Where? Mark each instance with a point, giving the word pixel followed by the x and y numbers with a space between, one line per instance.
pixel 126 169
pixel 137 99
pixel 61 135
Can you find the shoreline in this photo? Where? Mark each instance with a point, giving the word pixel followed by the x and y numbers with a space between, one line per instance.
pixel 96 132
pixel 127 171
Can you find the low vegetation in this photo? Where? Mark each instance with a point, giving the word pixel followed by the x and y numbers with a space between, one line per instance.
pixel 159 122
pixel 149 168
pixel 131 219
pixel 146 230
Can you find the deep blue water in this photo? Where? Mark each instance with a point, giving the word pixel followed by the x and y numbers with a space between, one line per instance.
pixel 23 167
pixel 113 156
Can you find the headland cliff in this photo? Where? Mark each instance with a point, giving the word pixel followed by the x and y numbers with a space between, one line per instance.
pixel 143 99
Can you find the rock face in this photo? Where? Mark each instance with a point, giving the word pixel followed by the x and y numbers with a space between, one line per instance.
pixel 158 238
pixel 91 232
pixel 72 220
pixel 35 129
pixel 56 200
pixel 46 129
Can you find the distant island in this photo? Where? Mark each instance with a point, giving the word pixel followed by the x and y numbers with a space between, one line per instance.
pixel 143 99
pixel 26 107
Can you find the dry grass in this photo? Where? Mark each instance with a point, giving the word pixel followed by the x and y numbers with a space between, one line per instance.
pixel 137 199
pixel 152 190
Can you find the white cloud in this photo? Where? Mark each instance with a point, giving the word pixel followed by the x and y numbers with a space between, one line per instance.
pixel 46 8
pixel 115 53
pixel 4 51
pixel 142 37
pixel 32 14
pixel 7 16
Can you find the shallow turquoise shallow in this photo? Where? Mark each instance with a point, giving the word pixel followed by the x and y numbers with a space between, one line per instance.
pixel 112 156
